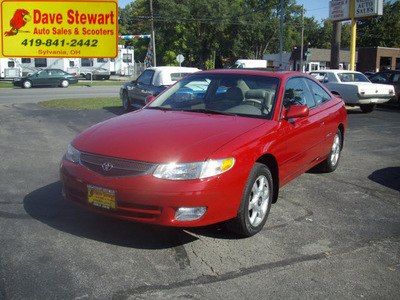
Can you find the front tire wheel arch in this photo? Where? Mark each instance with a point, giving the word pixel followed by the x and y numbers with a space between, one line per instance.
pixel 27 84
pixel 256 202
pixel 332 161
pixel 126 103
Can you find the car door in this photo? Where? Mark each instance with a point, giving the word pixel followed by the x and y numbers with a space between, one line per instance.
pixel 41 78
pixel 141 88
pixel 303 138
pixel 54 76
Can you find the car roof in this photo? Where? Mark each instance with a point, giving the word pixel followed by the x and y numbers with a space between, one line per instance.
pixel 388 71
pixel 174 68
pixel 281 74
pixel 336 71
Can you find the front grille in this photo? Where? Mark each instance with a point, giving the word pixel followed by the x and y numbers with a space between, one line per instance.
pixel 115 167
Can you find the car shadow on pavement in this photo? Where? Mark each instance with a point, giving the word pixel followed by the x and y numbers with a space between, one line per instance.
pixel 388 177
pixel 118 111
pixel 48 206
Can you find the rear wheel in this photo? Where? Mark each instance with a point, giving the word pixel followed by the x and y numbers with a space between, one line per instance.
pixel 27 84
pixel 64 83
pixel 256 202
pixel 367 108
pixel 332 161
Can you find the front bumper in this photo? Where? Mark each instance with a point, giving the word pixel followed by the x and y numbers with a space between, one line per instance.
pixel 150 200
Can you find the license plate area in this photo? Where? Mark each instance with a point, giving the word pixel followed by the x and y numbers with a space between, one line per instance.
pixel 102 197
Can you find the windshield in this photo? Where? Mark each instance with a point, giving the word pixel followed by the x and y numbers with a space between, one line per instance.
pixel 222 93
pixel 352 77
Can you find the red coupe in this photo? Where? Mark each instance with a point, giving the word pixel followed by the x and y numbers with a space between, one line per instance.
pixel 216 146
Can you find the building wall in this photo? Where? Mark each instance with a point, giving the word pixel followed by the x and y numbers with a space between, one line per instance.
pixel 375 59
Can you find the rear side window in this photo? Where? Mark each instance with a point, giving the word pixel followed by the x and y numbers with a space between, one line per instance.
pixel 320 95
pixel 146 77
pixel 177 76
pixel 297 93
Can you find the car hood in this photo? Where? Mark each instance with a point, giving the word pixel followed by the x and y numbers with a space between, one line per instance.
pixel 163 136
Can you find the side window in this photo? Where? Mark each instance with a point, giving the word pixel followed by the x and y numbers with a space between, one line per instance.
pixel 43 73
pixel 57 72
pixel 40 62
pixel 320 95
pixel 146 77
pixel 87 62
pixel 320 76
pixel 396 78
pixel 297 93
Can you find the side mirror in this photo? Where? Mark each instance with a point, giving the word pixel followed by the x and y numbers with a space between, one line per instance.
pixel 297 111
pixel 149 99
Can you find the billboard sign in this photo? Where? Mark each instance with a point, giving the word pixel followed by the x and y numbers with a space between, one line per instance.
pixel 339 10
pixel 40 28
pixel 368 8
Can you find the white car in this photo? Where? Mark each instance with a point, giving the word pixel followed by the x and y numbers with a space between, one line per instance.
pixel 355 88
pixel 150 83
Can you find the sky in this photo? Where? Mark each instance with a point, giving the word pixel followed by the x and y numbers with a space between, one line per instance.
pixel 317 8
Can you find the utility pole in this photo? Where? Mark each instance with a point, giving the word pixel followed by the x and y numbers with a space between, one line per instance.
pixel 335 45
pixel 153 39
pixel 302 38
pixel 281 39
pixel 353 35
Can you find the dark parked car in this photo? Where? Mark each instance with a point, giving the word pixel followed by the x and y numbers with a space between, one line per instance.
pixel 46 77
pixel 391 77
pixel 215 146
pixel 150 83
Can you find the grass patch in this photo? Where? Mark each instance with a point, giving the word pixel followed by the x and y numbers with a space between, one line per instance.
pixel 83 103
pixel 98 83
pixel 7 84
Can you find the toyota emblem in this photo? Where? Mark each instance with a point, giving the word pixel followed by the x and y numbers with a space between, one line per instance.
pixel 107 166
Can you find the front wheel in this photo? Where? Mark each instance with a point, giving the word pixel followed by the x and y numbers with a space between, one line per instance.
pixel 125 101
pixel 256 202
pixel 332 161
pixel 27 84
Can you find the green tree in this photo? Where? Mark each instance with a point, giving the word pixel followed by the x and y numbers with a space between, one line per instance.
pixel 381 31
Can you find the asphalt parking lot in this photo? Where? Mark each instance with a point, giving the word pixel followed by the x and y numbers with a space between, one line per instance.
pixel 329 236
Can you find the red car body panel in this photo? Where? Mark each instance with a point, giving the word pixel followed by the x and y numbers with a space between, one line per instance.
pixel 161 136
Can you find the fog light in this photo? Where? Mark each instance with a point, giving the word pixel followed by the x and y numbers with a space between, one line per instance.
pixel 190 213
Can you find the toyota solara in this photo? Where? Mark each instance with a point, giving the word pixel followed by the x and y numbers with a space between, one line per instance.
pixel 216 146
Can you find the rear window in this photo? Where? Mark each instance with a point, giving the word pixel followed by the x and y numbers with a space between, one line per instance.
pixel 177 76
pixel 352 77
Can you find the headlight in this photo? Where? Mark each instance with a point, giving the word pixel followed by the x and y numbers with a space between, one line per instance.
pixel 193 170
pixel 73 154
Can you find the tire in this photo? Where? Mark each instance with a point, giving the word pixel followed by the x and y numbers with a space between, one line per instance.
pixel 27 84
pixel 125 101
pixel 367 108
pixel 256 202
pixel 88 76
pixel 332 161
pixel 64 83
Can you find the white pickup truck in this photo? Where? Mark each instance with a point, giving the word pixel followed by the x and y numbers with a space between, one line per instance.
pixel 355 88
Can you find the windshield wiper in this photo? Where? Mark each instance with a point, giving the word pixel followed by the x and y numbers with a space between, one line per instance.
pixel 210 111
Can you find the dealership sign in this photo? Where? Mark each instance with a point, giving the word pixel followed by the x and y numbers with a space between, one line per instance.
pixel 35 28
pixel 339 10
pixel 368 8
